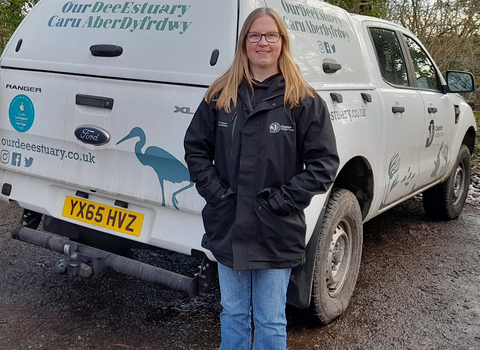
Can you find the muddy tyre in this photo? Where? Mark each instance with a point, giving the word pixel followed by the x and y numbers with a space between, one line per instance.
pixel 338 255
pixel 446 200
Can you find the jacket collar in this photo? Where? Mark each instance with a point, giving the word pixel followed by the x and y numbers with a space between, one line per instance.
pixel 275 93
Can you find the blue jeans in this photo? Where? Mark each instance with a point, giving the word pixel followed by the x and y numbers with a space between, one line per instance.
pixel 263 292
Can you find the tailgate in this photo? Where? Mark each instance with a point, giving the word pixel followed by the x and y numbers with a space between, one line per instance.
pixel 55 129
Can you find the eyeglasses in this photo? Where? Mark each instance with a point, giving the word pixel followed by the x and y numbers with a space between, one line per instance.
pixel 269 37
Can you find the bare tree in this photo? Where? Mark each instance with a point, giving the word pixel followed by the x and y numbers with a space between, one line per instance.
pixel 374 8
pixel 448 28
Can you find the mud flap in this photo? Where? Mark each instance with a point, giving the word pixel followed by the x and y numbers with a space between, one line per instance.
pixel 299 291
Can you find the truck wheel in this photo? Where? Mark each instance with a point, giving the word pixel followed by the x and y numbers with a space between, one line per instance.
pixel 446 201
pixel 337 258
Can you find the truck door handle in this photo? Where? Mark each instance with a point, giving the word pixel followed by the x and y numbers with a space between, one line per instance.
pixel 398 109
pixel 366 97
pixel 329 67
pixel 432 110
pixel 336 97
pixel 106 50
pixel 94 101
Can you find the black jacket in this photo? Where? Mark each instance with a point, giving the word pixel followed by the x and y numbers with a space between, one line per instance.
pixel 268 161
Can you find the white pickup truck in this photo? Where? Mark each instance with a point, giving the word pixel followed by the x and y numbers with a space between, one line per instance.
pixel 95 98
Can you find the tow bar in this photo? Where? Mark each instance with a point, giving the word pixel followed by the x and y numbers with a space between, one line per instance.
pixel 86 261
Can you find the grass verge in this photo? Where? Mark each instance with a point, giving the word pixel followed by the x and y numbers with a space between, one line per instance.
pixel 476 150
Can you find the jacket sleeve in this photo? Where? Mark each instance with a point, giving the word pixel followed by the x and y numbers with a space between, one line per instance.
pixel 317 147
pixel 199 146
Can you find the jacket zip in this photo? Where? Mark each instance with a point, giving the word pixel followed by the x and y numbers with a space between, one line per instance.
pixel 254 110
pixel 234 120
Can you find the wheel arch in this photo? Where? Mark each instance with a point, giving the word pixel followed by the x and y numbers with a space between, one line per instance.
pixel 357 177
pixel 469 139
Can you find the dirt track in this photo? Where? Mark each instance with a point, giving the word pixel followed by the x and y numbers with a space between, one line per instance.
pixel 419 288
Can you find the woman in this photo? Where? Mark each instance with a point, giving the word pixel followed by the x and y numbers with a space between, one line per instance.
pixel 259 147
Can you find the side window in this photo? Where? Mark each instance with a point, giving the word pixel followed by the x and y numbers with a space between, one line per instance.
pixel 390 57
pixel 424 69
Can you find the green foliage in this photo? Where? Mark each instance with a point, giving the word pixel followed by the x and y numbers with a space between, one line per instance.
pixel 476 150
pixel 375 8
pixel 12 13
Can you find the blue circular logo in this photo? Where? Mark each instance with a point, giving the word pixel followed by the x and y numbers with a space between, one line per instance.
pixel 92 135
pixel 22 113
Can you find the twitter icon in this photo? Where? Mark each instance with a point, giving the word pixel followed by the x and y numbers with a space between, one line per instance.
pixel 28 162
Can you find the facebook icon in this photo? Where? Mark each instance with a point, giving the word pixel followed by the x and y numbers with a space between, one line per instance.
pixel 16 159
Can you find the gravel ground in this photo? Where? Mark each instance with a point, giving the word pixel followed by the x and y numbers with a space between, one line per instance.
pixel 418 289
pixel 474 191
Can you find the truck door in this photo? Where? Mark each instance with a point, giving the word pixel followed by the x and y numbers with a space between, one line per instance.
pixel 439 116
pixel 403 117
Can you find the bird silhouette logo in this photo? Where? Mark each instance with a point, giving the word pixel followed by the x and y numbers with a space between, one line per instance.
pixel 165 165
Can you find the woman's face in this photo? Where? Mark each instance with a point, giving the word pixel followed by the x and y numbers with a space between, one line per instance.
pixel 263 56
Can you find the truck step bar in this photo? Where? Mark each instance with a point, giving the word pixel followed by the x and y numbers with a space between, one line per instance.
pixel 85 260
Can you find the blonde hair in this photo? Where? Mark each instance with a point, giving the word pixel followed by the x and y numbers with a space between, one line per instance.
pixel 224 90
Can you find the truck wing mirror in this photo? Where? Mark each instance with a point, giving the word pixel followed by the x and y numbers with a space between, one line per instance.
pixel 460 81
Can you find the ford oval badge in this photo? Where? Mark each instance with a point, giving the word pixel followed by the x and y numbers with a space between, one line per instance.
pixel 92 135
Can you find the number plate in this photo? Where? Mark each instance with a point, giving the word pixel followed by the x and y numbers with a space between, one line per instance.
pixel 113 218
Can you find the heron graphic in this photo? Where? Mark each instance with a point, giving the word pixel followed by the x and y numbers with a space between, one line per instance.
pixel 165 165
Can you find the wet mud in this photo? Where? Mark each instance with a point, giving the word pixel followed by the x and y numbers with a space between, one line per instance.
pixel 418 288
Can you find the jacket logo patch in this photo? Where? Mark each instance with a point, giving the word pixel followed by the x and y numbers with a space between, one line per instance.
pixel 223 124
pixel 276 128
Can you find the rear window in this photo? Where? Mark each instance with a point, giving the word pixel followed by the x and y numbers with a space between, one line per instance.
pixel 190 43
pixel 390 57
